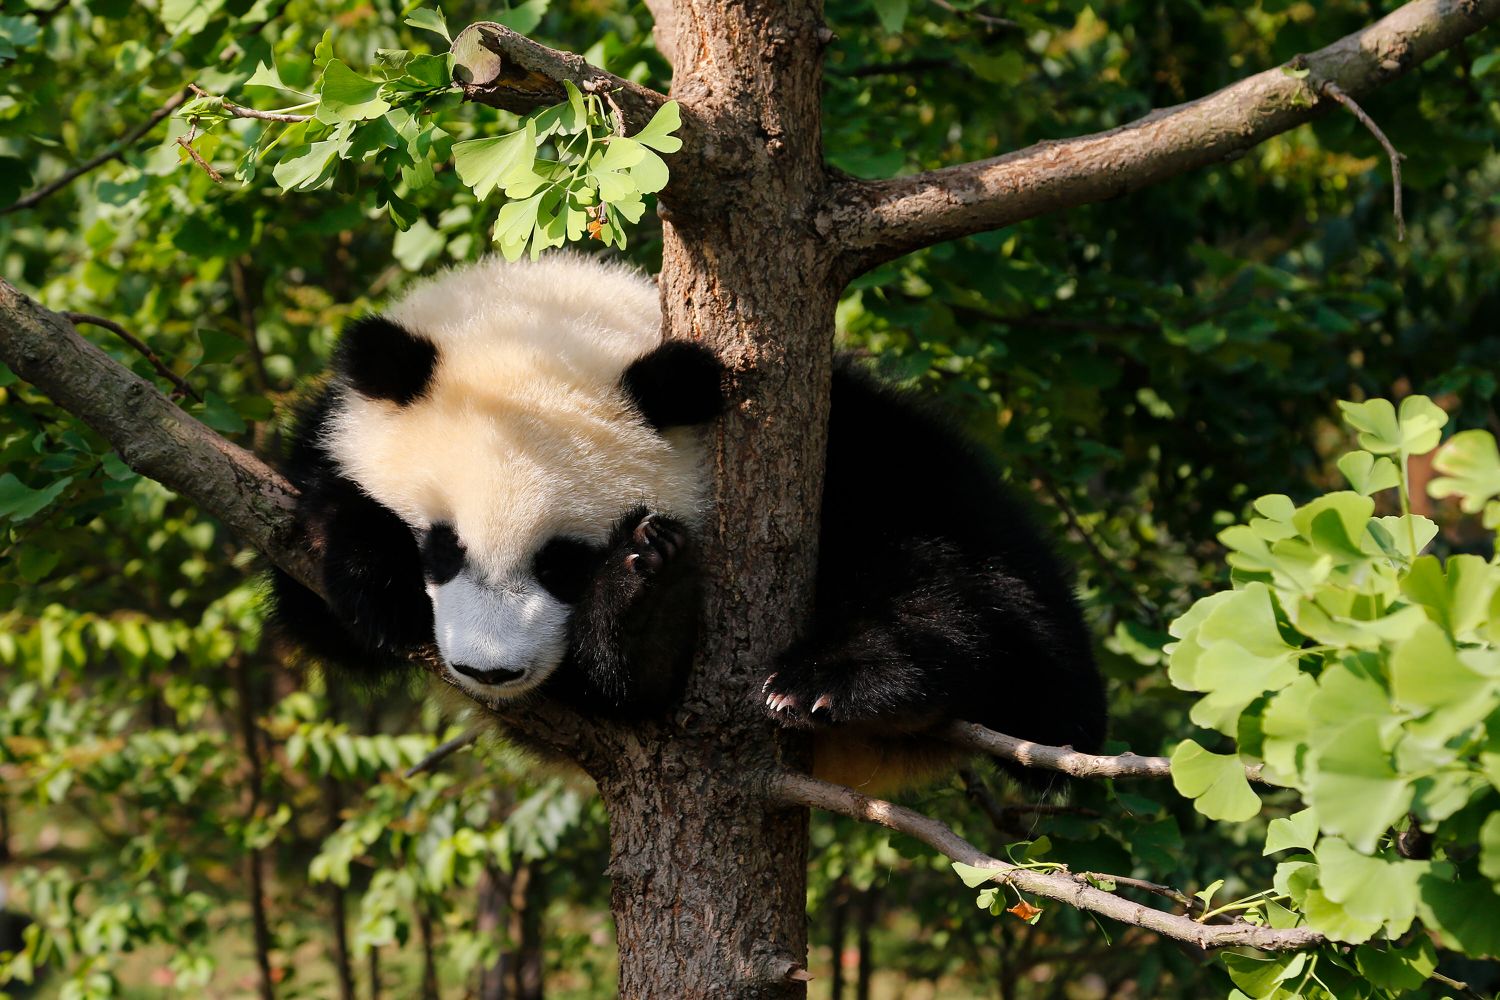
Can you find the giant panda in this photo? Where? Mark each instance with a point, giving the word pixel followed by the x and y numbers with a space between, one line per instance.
pixel 510 464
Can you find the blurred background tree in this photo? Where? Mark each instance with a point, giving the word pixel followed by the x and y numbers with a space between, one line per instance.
pixel 183 811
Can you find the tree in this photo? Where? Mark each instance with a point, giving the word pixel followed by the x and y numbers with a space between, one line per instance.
pixel 760 238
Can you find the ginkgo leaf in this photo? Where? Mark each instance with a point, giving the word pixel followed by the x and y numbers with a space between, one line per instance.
pixel 1215 782
pixel 1470 463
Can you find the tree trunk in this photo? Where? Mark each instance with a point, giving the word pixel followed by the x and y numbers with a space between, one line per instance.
pixel 430 988
pixel 710 876
pixel 866 917
pixel 492 901
pixel 838 902
pixel 528 898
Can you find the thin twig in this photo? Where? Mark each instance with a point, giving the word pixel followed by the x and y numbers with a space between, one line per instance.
pixel 1191 903
pixel 987 20
pixel 213 174
pixel 442 752
pixel 979 793
pixel 1058 883
pixel 1109 567
pixel 139 346
pixel 1454 984
pixel 1336 92
pixel 1000 813
pixel 1066 759
pixel 240 111
pixel 113 151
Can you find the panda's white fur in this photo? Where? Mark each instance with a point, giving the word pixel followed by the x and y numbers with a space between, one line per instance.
pixel 522 434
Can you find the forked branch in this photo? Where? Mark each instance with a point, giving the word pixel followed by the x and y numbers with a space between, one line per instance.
pixel 1065 887
pixel 152 435
pixel 876 221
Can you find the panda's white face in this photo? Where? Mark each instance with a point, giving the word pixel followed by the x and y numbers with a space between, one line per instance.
pixel 500 637
pixel 518 456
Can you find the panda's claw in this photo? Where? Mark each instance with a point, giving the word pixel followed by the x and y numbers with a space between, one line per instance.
pixel 653 541
pixel 823 702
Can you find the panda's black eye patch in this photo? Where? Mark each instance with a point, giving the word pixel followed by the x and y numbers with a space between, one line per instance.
pixel 564 567
pixel 442 553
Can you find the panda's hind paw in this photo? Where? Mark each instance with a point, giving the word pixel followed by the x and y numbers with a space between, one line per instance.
pixel 796 705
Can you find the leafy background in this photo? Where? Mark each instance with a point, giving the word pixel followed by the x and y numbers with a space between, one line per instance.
pixel 1147 368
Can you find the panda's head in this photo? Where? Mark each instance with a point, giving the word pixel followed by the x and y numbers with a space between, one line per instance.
pixel 510 415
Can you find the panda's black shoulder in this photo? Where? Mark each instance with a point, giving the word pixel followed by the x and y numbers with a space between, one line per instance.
pixel 899 462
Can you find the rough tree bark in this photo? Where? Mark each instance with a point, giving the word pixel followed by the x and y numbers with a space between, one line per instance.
pixel 707 858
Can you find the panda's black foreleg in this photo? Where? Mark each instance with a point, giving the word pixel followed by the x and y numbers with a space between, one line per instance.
pixel 632 630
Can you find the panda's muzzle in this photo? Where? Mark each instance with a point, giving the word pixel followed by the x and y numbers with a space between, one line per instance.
pixel 494 676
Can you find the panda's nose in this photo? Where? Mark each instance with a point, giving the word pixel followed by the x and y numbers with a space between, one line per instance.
pixel 494 676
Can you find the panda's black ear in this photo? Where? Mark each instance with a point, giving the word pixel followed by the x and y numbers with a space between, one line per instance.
pixel 676 385
pixel 384 360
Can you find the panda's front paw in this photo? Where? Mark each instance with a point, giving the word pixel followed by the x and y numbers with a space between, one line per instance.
pixel 654 542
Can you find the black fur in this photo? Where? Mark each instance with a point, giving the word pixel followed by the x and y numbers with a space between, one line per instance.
pixel 377 610
pixel 442 553
pixel 937 597
pixel 676 385
pixel 632 633
pixel 382 359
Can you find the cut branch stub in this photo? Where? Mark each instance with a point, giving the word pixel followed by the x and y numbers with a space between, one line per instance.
pixel 502 69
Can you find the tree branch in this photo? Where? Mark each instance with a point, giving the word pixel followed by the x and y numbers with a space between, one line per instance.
pixel 988 20
pixel 503 69
pixel 442 752
pixel 152 435
pixel 1066 759
pixel 1062 886
pixel 876 221
pixel 113 151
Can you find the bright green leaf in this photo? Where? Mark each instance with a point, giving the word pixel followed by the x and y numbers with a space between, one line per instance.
pixel 429 19
pixel 1370 888
pixel 483 164
pixel 973 876
pixel 345 96
pixel 1299 831
pixel 1215 782
pixel 1470 463
pixel 1369 474
pixel 658 133
pixel 1354 789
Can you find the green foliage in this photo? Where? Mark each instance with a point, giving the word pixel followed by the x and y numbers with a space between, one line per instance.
pixel 1364 674
pixel 597 177
pixel 403 119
